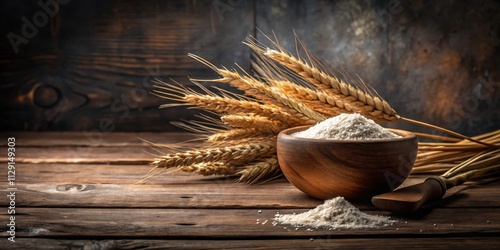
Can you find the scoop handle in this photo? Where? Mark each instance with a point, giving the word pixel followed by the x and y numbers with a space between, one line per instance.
pixel 411 198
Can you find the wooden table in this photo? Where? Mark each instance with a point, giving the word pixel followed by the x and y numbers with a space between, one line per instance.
pixel 74 192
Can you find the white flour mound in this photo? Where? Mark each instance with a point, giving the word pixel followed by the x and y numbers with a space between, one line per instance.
pixel 336 213
pixel 347 127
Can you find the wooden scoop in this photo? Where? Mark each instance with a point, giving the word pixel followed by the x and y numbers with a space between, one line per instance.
pixel 411 198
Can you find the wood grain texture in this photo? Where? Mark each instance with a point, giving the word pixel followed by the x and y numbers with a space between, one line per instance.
pixel 231 223
pixel 190 191
pixel 80 154
pixel 194 194
pixel 46 168
pixel 315 243
pixel 93 138
pixel 93 62
pixel 93 206
pixel 92 147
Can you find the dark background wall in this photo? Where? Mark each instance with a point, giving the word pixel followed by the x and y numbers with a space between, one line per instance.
pixel 89 63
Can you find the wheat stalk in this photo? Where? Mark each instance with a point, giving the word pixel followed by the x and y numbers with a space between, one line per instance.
pixel 320 96
pixel 238 135
pixel 370 104
pixel 219 104
pixel 237 153
pixel 291 91
pixel 210 168
pixel 250 87
pixel 252 173
pixel 315 76
pixel 264 93
pixel 329 104
pixel 257 122
pixel 334 85
pixel 463 158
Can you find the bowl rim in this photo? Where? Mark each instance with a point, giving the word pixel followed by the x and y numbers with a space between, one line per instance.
pixel 286 134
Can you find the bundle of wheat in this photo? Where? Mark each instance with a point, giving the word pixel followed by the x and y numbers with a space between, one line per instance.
pixel 290 91
pixel 460 161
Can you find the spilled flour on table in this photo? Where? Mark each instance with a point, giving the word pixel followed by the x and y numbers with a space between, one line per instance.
pixel 336 213
pixel 347 127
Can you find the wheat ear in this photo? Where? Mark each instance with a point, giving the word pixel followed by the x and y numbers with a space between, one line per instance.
pixel 210 168
pixel 219 104
pixel 232 154
pixel 256 122
pixel 264 93
pixel 318 77
pixel 250 88
pixel 253 172
pixel 339 88
pixel 321 101
pixel 238 135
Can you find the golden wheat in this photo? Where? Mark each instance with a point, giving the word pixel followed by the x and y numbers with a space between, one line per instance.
pixel 291 92
pixel 266 94
pixel 254 172
pixel 353 98
pixel 210 168
pixel 324 80
pixel 318 77
pixel 225 105
pixel 237 153
pixel 235 135
pixel 326 103
pixel 256 122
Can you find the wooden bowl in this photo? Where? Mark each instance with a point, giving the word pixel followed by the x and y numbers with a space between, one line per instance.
pixel 355 170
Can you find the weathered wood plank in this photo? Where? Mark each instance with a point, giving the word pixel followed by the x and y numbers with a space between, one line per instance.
pixel 50 178
pixel 94 138
pixel 89 147
pixel 48 173
pixel 101 185
pixel 231 223
pixel 92 54
pixel 477 243
pixel 206 193
pixel 218 194
pixel 71 154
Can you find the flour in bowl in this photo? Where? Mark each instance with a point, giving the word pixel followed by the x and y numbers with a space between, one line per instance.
pixel 336 213
pixel 347 127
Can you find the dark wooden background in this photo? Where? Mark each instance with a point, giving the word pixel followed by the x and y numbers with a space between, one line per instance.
pixel 89 67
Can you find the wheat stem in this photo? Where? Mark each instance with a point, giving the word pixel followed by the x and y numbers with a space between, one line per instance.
pixel 490 156
pixel 437 137
pixel 446 131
